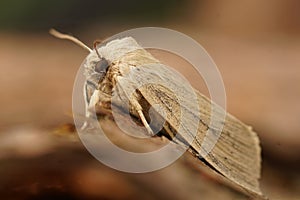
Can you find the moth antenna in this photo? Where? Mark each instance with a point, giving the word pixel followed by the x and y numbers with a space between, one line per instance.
pixel 96 42
pixel 59 35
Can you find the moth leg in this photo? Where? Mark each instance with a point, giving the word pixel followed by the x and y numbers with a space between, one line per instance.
pixel 145 123
pixel 164 138
pixel 136 105
pixel 169 132
pixel 139 110
pixel 93 101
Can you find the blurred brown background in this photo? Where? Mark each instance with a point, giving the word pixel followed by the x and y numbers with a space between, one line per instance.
pixel 255 44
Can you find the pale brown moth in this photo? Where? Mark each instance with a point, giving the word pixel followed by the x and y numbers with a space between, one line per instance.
pixel 236 155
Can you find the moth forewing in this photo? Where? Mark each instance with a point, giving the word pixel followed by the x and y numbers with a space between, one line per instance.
pixel 236 154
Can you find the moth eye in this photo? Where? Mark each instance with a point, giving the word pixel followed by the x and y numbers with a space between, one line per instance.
pixel 101 66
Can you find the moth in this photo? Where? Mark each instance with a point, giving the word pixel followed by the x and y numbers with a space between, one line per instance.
pixel 236 155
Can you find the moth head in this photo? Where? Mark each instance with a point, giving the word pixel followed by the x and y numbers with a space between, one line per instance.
pixel 97 63
pixel 100 66
pixel 95 70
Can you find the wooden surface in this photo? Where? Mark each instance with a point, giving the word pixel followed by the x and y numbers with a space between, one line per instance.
pixel 63 169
